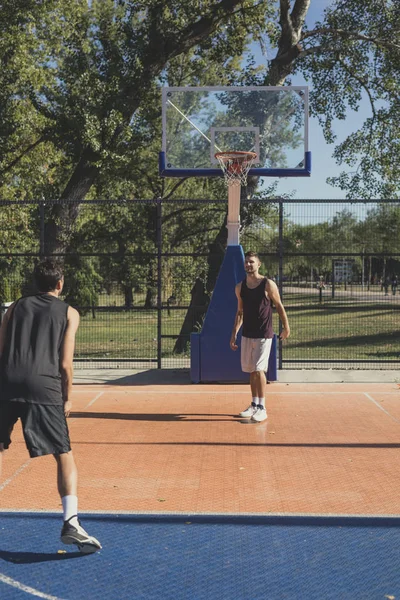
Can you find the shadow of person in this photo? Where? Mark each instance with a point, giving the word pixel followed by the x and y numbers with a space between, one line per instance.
pixel 37 557
pixel 152 416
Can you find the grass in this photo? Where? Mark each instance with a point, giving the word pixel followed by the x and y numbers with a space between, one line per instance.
pixel 343 332
pixel 331 331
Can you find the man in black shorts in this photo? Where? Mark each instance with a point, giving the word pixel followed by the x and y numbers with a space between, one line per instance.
pixel 37 341
pixel 256 295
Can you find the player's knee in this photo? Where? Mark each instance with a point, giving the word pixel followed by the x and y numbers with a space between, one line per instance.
pixel 258 374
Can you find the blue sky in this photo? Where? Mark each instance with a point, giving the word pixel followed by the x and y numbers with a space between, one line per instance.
pixel 323 164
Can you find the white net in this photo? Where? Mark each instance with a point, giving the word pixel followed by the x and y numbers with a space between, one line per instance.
pixel 235 166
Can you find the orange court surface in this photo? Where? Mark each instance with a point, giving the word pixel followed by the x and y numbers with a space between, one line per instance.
pixel 325 449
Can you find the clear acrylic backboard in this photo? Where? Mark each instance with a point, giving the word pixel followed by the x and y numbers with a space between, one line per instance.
pixel 199 122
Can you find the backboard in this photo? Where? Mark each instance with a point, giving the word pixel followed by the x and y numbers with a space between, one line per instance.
pixel 198 122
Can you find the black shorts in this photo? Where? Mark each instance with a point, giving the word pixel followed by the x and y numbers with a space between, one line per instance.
pixel 44 426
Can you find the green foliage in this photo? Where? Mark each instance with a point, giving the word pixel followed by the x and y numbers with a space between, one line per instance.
pixel 80 118
pixel 351 57
pixel 82 283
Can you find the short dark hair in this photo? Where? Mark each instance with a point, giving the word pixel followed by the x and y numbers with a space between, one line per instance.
pixel 250 254
pixel 47 274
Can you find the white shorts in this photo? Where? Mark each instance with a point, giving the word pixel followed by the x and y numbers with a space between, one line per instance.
pixel 254 354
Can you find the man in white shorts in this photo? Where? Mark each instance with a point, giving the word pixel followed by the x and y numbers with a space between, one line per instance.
pixel 256 295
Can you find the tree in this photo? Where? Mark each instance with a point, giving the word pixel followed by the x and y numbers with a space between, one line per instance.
pixel 77 78
pixel 355 54
pixel 97 65
pixel 80 91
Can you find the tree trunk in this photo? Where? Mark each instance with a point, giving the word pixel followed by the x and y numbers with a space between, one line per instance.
pixel 194 316
pixel 61 218
pixel 151 298
pixel 200 294
pixel 128 294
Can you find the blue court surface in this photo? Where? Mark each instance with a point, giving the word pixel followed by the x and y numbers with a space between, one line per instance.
pixel 202 557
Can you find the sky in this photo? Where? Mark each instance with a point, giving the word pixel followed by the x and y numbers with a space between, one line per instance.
pixel 323 163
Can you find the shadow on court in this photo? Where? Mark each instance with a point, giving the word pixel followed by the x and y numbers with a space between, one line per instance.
pixel 156 417
pixel 37 557
pixel 150 377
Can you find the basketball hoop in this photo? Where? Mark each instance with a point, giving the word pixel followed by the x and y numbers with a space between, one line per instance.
pixel 235 166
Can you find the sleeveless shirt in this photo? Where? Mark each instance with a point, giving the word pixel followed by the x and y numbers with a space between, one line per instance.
pixel 30 363
pixel 257 311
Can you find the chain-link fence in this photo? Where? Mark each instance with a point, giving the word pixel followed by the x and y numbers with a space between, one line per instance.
pixel 141 274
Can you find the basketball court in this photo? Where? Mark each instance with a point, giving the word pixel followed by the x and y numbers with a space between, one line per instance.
pixel 191 501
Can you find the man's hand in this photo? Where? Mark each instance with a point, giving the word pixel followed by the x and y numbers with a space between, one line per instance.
pixel 233 343
pixel 285 333
pixel 67 407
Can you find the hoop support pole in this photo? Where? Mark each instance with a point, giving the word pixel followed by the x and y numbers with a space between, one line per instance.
pixel 233 221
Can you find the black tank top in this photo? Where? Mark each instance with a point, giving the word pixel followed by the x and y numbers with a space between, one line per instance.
pixel 257 311
pixel 30 363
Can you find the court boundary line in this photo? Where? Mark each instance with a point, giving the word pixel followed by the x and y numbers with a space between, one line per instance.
pixel 235 392
pixel 203 514
pixel 15 474
pixel 94 399
pixel 26 588
pixel 381 407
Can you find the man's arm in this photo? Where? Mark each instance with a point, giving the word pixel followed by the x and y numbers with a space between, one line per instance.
pixel 238 318
pixel 273 293
pixel 67 356
pixel 3 327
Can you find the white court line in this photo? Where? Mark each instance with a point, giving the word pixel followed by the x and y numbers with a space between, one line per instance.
pixel 235 392
pixel 381 407
pixel 149 513
pixel 26 588
pixel 17 472
pixel 94 399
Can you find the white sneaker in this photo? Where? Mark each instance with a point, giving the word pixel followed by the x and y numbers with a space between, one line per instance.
pixel 75 534
pixel 249 412
pixel 260 414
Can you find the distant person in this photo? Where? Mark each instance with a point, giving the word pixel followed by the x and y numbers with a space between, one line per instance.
pixel 37 340
pixel 256 295
pixel 386 284
pixel 394 284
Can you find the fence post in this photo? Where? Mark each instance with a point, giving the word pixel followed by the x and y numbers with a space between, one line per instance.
pixel 41 218
pixel 159 282
pixel 280 270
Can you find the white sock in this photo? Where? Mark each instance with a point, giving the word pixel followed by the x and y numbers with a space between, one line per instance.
pixel 254 400
pixel 70 508
pixel 262 402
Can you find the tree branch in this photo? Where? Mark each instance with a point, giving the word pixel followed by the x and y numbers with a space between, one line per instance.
pixel 196 32
pixel 308 51
pixel 18 158
pixel 349 34
pixel 175 187
pixel 299 13
pixel 361 82
pixel 40 107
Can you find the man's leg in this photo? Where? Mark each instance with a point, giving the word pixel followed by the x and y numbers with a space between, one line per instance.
pixel 245 358
pixel 67 474
pixel 260 384
pixel 254 384
pixel 67 483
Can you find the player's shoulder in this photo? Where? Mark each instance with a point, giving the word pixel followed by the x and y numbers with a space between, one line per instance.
pixel 270 284
pixel 72 314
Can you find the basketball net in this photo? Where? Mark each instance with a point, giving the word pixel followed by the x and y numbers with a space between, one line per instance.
pixel 235 166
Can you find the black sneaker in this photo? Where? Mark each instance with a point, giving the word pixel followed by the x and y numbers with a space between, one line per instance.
pixel 75 534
